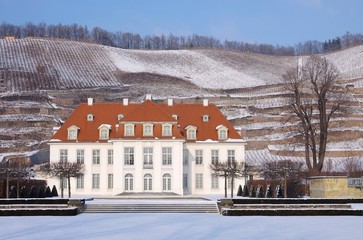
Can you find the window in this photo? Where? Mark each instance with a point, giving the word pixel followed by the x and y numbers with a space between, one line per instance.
pixel 185 157
pixel 166 182
pixel 129 155
pixel 95 156
pixel 148 156
pixel 191 132
pixel 166 130
pixel 198 156
pixel 104 133
pixel 214 181
pixel 119 117
pixel 148 186
pixel 129 182
pixel 205 118
pixel 185 180
pixel 215 156
pixel 64 182
pixel 63 155
pixel 231 156
pixel 80 181
pixel 167 156
pixel 72 134
pixel 222 132
pixel 110 156
pixel 129 130
pixel 90 117
pixel 80 156
pixel 199 181
pixel 95 181
pixel 148 129
pixel 110 181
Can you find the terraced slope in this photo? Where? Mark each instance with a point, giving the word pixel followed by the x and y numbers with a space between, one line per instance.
pixel 43 80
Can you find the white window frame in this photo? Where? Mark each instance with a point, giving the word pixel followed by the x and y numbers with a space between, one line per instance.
pixel 205 118
pixel 73 132
pixel 110 156
pixel 63 155
pixel 95 181
pixel 191 132
pixel 231 155
pixel 167 156
pixel 110 181
pixel 214 156
pixel 129 182
pixel 148 182
pixel 96 156
pixel 167 130
pixel 89 117
pixel 129 156
pixel 222 132
pixel 148 129
pixel 129 129
pixel 80 182
pixel 148 156
pixel 199 181
pixel 214 181
pixel 80 156
pixel 167 182
pixel 198 156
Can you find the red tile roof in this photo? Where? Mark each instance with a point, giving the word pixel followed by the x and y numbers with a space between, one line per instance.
pixel 146 112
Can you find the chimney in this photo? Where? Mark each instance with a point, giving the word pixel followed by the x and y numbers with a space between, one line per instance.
pixel 125 101
pixel 90 101
pixel 148 97
pixel 205 102
pixel 170 102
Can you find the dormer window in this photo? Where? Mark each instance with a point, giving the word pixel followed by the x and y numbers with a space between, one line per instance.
pixel 104 131
pixel 191 132
pixel 222 132
pixel 90 117
pixel 148 129
pixel 175 116
pixel 205 118
pixel 119 117
pixel 167 129
pixel 129 129
pixel 73 132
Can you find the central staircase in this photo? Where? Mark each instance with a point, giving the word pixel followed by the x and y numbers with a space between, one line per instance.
pixel 151 208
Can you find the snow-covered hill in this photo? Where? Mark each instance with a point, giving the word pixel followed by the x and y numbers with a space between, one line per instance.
pixel 33 63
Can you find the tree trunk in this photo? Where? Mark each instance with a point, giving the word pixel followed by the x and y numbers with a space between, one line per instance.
pixel 232 183
pixel 225 185
pixel 69 186
pixel 61 186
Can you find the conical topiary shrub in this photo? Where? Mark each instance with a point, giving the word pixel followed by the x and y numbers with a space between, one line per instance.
pixel 279 193
pixel 41 193
pixel 239 192
pixel 48 193
pixel 269 192
pixel 54 191
pixel 252 191
pixel 24 192
pixel 259 192
pixel 245 192
pixel 33 192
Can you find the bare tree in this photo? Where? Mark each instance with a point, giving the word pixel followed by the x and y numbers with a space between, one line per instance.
pixel 229 169
pixel 282 170
pixel 315 98
pixel 65 170
pixel 15 168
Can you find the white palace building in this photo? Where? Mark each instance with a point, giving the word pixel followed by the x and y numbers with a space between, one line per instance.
pixel 147 147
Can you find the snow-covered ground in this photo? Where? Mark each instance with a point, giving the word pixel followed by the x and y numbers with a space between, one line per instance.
pixel 180 226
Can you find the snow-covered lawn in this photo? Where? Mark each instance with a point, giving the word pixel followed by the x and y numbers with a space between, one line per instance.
pixel 179 226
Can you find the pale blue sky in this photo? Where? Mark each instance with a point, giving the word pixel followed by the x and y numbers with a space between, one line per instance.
pixel 284 22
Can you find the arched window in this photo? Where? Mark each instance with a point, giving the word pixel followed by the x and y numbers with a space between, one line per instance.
pixel 166 182
pixel 148 186
pixel 129 182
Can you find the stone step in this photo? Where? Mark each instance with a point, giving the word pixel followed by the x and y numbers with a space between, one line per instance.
pixel 68 211
pixel 39 206
pixel 292 212
pixel 150 208
pixel 292 206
